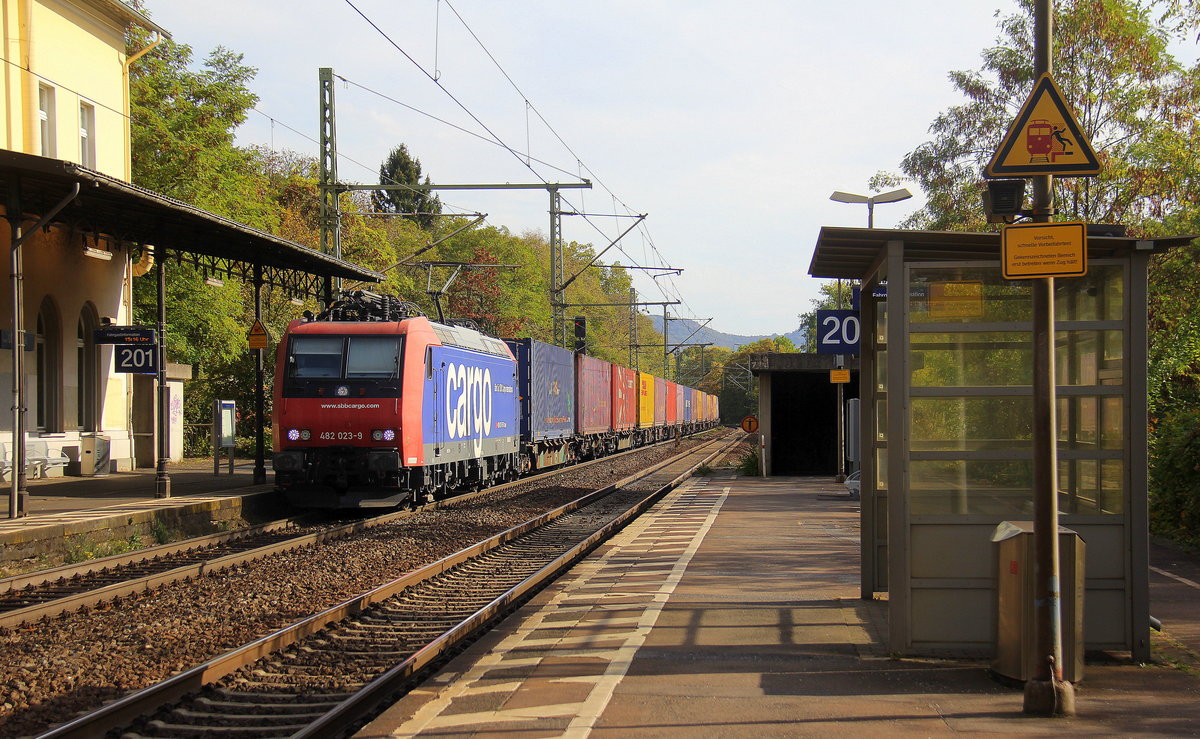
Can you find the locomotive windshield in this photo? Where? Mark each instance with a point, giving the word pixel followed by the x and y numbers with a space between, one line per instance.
pixel 344 357
pixel 316 356
pixel 373 356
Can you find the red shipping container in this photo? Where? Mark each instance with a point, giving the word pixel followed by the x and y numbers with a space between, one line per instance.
pixel 624 398
pixel 593 393
pixel 660 401
pixel 674 393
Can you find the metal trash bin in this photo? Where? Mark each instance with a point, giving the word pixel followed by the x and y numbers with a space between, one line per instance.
pixel 1016 631
pixel 94 455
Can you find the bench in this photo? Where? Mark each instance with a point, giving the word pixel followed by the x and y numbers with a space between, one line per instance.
pixel 6 460
pixel 41 460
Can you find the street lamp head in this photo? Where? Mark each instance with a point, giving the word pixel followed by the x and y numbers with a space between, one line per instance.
pixel 894 196
pixel 848 197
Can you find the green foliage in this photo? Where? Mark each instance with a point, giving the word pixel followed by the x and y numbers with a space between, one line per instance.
pixel 1175 476
pixel 160 532
pixel 88 550
pixel 183 127
pixel 401 168
pixel 748 467
pixel 1140 108
pixel 1134 101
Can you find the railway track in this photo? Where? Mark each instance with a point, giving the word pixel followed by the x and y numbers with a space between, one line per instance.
pixel 49 593
pixel 328 673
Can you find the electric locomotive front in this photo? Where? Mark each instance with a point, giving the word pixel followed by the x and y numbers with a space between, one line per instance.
pixel 341 417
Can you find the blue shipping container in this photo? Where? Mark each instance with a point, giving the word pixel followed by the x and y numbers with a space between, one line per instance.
pixel 546 382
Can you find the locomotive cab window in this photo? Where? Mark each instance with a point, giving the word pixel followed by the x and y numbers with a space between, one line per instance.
pixel 316 356
pixel 373 356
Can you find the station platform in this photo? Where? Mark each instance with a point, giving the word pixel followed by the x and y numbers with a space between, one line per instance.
pixel 732 609
pixel 63 512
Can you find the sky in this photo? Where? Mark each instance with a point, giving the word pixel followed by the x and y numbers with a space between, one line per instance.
pixel 728 124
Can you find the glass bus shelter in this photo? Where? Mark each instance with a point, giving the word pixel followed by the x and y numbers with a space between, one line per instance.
pixel 946 389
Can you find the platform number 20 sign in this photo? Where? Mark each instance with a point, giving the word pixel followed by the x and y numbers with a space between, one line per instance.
pixel 838 331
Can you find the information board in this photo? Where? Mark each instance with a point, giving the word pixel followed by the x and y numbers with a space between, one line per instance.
pixel 1033 250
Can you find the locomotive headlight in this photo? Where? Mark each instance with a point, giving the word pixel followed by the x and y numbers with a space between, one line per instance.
pixel 383 435
pixel 342 391
pixel 305 434
pixel 377 435
pixel 293 434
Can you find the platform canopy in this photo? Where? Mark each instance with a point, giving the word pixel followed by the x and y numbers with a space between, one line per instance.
pixel 853 253
pixel 110 209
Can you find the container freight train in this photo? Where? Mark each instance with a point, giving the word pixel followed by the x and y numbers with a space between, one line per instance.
pixel 375 407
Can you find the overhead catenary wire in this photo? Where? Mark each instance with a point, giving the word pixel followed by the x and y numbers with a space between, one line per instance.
pixel 496 138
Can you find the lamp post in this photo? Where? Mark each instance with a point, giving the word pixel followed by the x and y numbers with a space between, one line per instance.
pixel 893 196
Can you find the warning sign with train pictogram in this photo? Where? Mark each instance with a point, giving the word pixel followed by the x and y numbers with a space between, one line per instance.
pixel 1044 139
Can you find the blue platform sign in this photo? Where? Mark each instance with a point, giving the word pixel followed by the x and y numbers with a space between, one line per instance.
pixel 838 331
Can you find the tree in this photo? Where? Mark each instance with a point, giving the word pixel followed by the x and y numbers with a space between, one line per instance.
pixel 1135 102
pixel 1140 109
pixel 833 294
pixel 401 168
pixel 182 131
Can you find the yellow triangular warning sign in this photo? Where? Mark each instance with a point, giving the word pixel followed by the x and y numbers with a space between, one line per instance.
pixel 258 336
pixel 1045 138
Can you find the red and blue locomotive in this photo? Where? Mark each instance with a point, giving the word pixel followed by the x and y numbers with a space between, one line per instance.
pixel 377 406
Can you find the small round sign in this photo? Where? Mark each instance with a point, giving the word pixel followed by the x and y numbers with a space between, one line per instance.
pixel 750 424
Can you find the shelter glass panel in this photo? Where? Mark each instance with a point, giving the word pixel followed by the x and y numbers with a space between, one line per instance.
pixel 970 391
pixel 932 297
pixel 1091 422
pixel 1089 357
pixel 991 359
pixel 1097 296
pixel 1091 486
pixel 971 487
pixel 970 423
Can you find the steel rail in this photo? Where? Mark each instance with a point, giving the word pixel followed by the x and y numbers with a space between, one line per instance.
pixel 95 596
pixel 130 708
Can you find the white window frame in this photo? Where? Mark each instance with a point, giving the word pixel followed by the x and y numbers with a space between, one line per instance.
pixel 87 134
pixel 47 120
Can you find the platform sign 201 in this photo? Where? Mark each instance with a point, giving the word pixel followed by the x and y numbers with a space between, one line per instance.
pixel 141 360
pixel 135 348
pixel 838 331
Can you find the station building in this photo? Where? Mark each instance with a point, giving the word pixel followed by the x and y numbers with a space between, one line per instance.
pixel 79 235
pixel 66 92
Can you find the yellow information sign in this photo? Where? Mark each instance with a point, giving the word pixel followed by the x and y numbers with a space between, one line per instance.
pixel 258 336
pixel 1044 139
pixel 955 300
pixel 839 376
pixel 1044 250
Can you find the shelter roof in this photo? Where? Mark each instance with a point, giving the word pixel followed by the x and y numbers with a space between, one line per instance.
pixel 133 215
pixel 850 253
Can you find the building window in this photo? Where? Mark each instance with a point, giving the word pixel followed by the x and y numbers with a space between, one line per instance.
pixel 85 369
pixel 87 135
pixel 47 120
pixel 47 351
